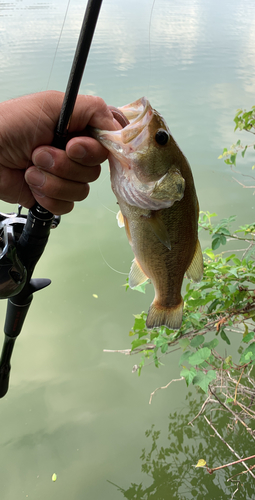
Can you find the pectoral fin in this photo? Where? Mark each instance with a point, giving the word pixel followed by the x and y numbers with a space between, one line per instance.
pixel 120 219
pixel 159 228
pixel 136 275
pixel 195 269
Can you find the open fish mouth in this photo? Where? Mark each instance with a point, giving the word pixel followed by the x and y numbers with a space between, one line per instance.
pixel 125 142
pixel 131 149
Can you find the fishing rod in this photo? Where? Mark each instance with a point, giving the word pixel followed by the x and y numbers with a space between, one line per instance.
pixel 23 237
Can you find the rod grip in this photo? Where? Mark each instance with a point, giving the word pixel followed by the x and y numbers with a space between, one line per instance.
pixel 5 365
pixel 15 316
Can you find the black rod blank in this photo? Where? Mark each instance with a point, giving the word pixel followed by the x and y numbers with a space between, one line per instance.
pixel 77 69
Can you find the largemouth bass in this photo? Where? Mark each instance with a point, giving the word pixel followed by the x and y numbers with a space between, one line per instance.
pixel 153 183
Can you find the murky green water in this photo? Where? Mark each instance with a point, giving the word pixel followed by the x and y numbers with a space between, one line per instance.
pixel 72 409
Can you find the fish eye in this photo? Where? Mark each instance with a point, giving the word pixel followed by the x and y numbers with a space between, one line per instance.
pixel 161 137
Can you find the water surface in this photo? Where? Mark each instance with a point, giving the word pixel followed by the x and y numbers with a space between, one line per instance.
pixel 73 409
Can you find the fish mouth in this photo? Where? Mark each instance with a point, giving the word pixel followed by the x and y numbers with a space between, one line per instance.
pixel 124 142
pixel 126 146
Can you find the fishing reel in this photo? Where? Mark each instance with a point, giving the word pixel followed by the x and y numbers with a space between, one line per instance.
pixel 22 242
pixel 13 272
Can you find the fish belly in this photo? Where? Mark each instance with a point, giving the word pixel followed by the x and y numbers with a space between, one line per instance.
pixel 165 268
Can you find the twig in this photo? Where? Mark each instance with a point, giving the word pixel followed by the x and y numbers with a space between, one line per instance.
pixel 165 387
pixel 245 410
pixel 243 185
pixel 248 249
pixel 233 463
pixel 235 415
pixel 229 447
pixel 208 400
pixel 235 491
pixel 245 390
pixel 122 351
pixel 240 473
pixel 238 385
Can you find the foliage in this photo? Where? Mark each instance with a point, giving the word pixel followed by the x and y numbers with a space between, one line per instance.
pixel 244 120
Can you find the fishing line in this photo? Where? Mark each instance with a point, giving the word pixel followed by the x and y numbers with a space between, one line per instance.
pixel 150 63
pixel 98 244
pixel 47 87
pixel 97 193
pixel 108 265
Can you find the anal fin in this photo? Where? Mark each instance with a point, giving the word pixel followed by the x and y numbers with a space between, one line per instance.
pixel 136 275
pixel 195 269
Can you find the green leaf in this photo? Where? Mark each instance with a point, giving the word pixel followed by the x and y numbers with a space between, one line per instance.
pixel 244 151
pixel 248 354
pixel 183 343
pixel 234 271
pixel 184 357
pixel 212 344
pixel 188 374
pixel 248 337
pixel 164 347
pixel 141 288
pixel 229 400
pixel 204 379
pixel 228 361
pixel 213 305
pixel 196 341
pixel 138 343
pixel 236 261
pixel 225 231
pixel 224 336
pixel 200 356
pixel 215 242
pixel 210 253
pixel 139 323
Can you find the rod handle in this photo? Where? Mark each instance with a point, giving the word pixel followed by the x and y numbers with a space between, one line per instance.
pixel 5 365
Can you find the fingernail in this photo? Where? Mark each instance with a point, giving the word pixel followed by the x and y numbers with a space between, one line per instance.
pixel 77 152
pixel 35 177
pixel 43 159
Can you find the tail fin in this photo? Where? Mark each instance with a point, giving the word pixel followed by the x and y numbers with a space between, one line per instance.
pixel 171 317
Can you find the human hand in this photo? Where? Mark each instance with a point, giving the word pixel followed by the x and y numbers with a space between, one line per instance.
pixel 31 169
